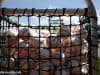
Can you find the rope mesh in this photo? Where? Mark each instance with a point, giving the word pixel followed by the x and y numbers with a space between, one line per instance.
pixel 46 45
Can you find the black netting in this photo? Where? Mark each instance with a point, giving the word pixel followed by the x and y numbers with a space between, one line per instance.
pixel 46 45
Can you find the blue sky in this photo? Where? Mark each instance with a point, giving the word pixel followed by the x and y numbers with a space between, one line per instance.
pixel 50 4
pixel 47 3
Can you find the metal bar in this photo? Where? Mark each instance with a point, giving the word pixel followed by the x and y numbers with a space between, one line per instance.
pixel 48 12
pixel 93 40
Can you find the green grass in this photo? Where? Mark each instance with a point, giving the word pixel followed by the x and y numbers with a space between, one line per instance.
pixel 98 65
pixel 54 31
